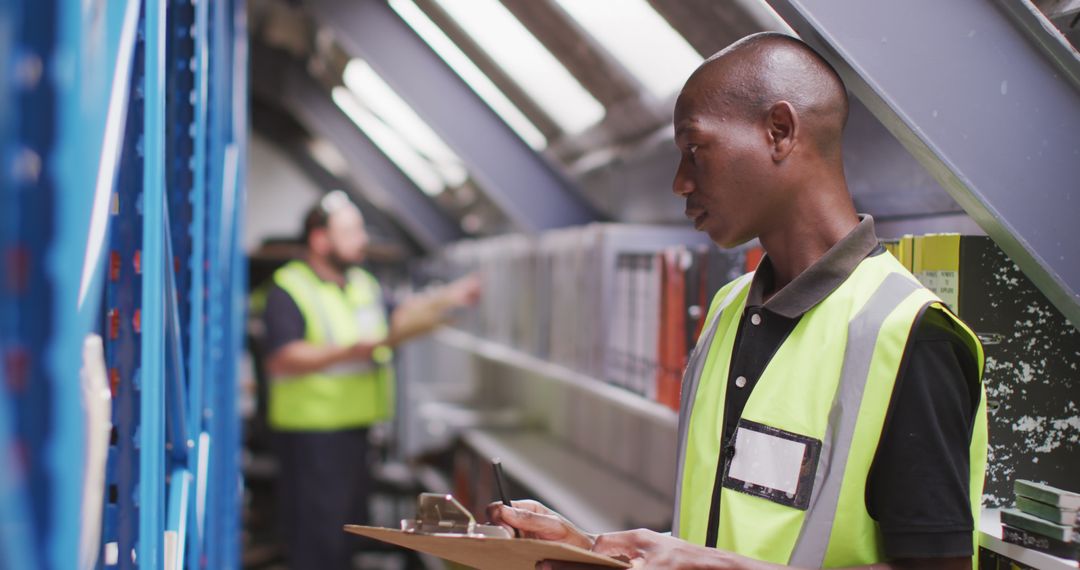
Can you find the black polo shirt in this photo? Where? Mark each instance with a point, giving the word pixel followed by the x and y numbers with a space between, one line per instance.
pixel 918 484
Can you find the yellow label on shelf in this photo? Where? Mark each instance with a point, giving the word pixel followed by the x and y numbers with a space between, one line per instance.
pixel 937 265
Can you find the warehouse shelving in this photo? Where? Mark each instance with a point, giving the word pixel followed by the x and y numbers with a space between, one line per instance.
pixel 595 498
pixel 628 401
pixel 123 220
pixel 990 539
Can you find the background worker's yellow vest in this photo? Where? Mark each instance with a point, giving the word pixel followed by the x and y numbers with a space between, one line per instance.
pixel 830 382
pixel 348 395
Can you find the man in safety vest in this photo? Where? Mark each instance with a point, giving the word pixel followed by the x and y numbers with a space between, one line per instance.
pixel 832 413
pixel 328 346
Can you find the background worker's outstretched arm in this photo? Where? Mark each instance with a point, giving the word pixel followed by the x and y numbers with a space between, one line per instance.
pixel 427 311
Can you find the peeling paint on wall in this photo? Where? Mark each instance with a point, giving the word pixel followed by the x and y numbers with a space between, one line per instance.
pixel 1032 375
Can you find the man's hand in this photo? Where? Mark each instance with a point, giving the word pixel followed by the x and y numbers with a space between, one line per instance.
pixel 359 352
pixel 466 291
pixel 302 357
pixel 534 520
pixel 648 549
pixel 423 313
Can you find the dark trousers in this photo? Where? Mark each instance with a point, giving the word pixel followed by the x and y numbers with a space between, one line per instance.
pixel 325 483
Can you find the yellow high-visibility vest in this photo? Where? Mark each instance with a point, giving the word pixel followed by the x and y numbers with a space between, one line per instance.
pixel 795 473
pixel 347 395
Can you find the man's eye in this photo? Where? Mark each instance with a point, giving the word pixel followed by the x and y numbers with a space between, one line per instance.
pixel 691 151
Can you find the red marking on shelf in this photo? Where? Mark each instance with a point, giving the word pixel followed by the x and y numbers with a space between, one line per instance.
pixel 137 321
pixel 138 262
pixel 16 368
pixel 113 318
pixel 18 268
pixel 114 266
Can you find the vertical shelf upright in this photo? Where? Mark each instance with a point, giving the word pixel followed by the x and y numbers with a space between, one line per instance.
pixel 26 191
pixel 173 294
pixel 122 144
pixel 122 309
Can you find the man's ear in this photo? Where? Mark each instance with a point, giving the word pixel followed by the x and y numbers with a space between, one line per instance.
pixel 782 123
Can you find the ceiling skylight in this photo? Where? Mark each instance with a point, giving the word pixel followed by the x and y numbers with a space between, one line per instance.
pixel 467 70
pixel 385 103
pixel 527 62
pixel 418 168
pixel 639 38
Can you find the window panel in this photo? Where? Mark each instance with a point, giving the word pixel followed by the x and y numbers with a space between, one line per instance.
pixel 640 39
pixel 379 98
pixel 528 62
pixel 396 148
pixel 469 72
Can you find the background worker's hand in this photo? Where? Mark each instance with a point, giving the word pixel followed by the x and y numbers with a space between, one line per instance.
pixel 360 351
pixel 466 291
pixel 533 520
pixel 428 311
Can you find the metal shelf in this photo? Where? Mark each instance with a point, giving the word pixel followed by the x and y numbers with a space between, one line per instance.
pixel 591 497
pixel 626 400
pixel 990 539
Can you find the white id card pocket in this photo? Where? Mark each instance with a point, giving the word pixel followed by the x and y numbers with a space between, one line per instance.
pixel 369 318
pixel 772 464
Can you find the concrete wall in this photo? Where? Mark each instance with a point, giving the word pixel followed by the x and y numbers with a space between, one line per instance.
pixel 279 194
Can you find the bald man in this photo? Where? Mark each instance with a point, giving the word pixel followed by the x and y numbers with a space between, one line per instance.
pixel 832 413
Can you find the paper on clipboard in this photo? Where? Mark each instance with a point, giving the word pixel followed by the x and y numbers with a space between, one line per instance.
pixel 446 529
pixel 486 553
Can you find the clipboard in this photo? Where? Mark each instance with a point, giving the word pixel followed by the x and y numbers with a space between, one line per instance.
pixel 446 529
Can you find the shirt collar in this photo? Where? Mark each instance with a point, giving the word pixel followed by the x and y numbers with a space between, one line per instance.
pixel 819 280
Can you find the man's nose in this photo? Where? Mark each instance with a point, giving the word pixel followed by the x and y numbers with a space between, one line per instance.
pixel 682 185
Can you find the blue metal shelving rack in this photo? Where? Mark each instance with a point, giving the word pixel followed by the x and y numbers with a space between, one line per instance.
pixel 122 136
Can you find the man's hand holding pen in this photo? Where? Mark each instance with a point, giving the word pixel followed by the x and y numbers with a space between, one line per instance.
pixel 534 520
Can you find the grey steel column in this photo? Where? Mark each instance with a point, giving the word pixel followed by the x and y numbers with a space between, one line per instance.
pixel 989 110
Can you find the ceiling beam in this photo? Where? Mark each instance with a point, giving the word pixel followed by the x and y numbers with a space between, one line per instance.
pixel 708 26
pixel 529 190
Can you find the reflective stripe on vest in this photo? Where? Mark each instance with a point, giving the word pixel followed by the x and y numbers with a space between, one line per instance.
pixel 826 383
pixel 346 395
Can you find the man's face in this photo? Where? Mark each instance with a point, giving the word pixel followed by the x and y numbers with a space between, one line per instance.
pixel 723 173
pixel 347 237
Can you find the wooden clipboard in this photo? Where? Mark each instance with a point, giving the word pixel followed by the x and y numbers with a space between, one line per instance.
pixel 487 553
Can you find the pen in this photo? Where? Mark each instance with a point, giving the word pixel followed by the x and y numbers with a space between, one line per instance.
pixel 496 465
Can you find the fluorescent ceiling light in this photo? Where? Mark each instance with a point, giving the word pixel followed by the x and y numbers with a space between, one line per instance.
pixel 467 70
pixel 396 148
pixel 527 62
pixel 328 157
pixel 640 39
pixel 379 98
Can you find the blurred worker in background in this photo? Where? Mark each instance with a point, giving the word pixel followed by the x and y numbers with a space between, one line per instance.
pixel 833 413
pixel 328 346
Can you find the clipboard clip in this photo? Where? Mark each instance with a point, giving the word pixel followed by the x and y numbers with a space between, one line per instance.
pixel 443 515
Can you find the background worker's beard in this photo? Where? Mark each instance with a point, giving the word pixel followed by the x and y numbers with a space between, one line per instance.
pixel 339 263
